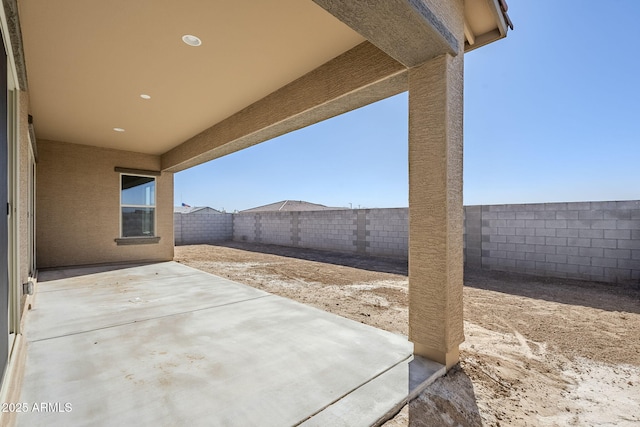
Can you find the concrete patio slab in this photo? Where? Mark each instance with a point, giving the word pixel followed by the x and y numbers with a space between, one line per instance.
pixel 123 295
pixel 168 345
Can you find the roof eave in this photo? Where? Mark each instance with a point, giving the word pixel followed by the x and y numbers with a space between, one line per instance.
pixel 503 24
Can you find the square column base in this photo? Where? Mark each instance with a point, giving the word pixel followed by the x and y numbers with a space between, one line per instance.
pixel 449 359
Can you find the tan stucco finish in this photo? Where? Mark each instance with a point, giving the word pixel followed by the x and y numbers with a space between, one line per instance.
pixel 88 62
pixel 104 54
pixel 78 206
pixel 435 205
pixel 407 31
pixel 23 184
pixel 362 75
pixel 452 14
pixel 264 69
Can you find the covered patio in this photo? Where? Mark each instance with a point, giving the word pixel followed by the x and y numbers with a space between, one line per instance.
pixel 106 101
pixel 165 344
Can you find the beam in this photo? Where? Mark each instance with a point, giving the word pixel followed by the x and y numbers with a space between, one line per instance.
pixel 16 53
pixel 471 38
pixel 484 39
pixel 410 31
pixel 354 79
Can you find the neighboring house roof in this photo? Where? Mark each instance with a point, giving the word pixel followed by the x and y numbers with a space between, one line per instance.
pixel 290 206
pixel 192 209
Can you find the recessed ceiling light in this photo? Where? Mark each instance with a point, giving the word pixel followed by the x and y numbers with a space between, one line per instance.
pixel 191 40
pixel 118 129
pixel 145 96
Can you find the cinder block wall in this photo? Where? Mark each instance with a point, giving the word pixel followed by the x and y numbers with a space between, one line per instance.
pixel 273 228
pixel 330 230
pixel 473 236
pixel 198 228
pixel 244 226
pixel 588 240
pixel 380 232
pixel 387 232
pixel 266 227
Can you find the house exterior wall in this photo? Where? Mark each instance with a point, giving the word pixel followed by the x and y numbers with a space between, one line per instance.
pixel 24 159
pixel 78 206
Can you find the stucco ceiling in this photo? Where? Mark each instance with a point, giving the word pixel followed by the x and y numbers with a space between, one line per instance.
pixel 88 62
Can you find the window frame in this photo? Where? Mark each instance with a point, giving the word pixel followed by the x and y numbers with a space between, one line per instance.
pixel 154 206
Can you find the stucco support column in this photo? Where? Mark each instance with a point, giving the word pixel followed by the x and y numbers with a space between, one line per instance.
pixel 435 208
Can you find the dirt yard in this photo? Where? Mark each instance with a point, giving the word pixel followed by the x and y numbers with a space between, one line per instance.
pixel 538 351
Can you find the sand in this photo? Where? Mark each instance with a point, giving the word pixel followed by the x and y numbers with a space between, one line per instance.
pixel 538 351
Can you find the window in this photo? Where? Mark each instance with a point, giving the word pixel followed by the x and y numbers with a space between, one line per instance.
pixel 138 205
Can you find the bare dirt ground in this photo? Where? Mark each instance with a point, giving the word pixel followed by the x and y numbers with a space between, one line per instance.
pixel 538 351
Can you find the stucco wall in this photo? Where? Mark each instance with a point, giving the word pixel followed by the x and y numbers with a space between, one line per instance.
pixel 23 178
pixel 78 206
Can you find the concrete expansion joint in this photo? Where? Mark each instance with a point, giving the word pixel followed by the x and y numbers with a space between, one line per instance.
pixel 356 388
pixel 115 325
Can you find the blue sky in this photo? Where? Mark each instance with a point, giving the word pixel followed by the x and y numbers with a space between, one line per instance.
pixel 551 114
